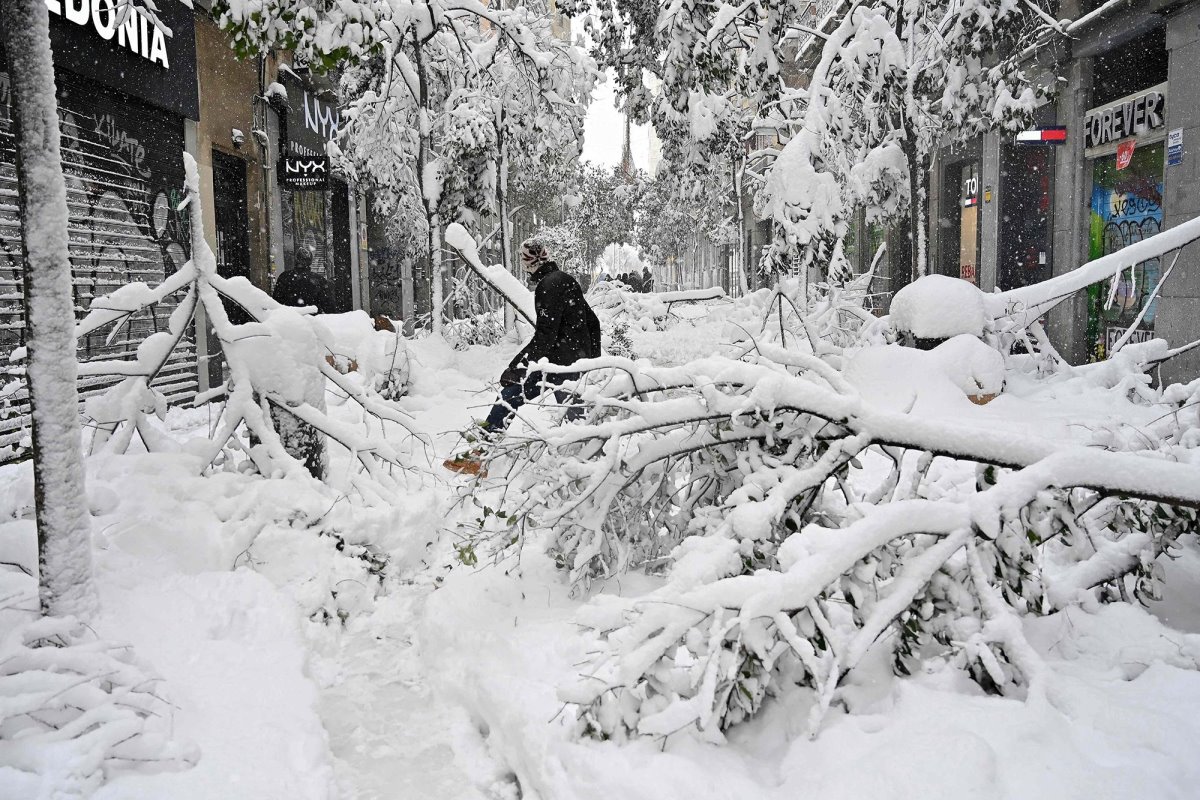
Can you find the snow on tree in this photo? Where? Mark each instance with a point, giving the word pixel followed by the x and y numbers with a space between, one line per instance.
pixel 676 213
pixel 63 521
pixel 443 95
pixel 802 523
pixel 279 364
pixel 890 83
pixel 604 213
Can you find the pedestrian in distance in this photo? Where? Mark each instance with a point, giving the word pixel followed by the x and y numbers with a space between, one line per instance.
pixel 300 286
pixel 565 331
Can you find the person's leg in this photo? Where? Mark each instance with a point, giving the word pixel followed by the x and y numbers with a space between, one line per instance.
pixel 511 398
pixel 567 398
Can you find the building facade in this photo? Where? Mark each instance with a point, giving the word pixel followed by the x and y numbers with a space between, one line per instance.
pixel 128 102
pixel 133 98
pixel 1111 159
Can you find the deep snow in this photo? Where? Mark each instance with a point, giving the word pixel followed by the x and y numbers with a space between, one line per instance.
pixel 444 685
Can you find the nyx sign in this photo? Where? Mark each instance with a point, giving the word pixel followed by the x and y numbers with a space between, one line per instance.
pixel 304 172
pixel 1130 116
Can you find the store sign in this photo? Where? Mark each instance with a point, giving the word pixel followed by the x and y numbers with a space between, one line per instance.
pixel 1135 115
pixel 1049 135
pixel 107 19
pixel 116 44
pixel 1113 334
pixel 1125 153
pixel 970 188
pixel 304 172
pixel 312 122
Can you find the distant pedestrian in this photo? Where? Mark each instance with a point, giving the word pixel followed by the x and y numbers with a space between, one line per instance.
pixel 300 286
pixel 647 280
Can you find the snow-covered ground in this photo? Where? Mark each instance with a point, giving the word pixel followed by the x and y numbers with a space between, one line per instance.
pixel 296 678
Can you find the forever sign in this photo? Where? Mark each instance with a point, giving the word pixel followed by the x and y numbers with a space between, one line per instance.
pixel 1131 116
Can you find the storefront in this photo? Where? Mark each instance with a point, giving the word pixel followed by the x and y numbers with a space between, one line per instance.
pixel 1124 147
pixel 124 92
pixel 316 205
pixel 960 212
pixel 1025 253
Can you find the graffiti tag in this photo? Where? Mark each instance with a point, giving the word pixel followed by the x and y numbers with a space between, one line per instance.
pixel 122 143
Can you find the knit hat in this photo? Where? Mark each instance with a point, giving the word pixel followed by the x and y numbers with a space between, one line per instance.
pixel 533 252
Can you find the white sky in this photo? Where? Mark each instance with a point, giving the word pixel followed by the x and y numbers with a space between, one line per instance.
pixel 604 130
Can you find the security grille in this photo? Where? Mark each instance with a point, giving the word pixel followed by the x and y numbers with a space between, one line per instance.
pixel 123 165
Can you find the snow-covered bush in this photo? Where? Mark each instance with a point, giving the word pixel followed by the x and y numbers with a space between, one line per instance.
pixel 373 350
pixel 75 709
pixel 939 307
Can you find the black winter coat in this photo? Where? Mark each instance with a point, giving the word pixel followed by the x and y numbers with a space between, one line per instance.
pixel 302 287
pixel 567 329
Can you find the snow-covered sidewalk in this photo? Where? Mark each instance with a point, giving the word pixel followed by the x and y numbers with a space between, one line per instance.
pixel 444 686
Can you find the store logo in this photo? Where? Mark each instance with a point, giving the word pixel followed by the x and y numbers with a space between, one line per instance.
pixel 320 118
pixel 304 172
pixel 130 25
pixel 1132 116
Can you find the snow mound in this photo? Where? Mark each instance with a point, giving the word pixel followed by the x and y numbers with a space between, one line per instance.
pixel 938 307
pixel 928 381
pixel 970 364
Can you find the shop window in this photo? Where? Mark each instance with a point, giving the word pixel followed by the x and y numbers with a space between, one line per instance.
pixel 1126 207
pixel 1135 65
pixel 958 226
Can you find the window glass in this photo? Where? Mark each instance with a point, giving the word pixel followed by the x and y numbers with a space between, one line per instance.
pixel 1126 207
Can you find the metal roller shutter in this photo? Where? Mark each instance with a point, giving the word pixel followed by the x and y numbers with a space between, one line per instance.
pixel 123 164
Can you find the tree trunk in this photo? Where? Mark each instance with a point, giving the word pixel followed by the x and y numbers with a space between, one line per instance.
pixel 739 170
pixel 510 318
pixel 63 522
pixel 435 272
pixel 429 201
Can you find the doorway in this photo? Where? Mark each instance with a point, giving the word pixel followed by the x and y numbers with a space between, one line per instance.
pixel 339 271
pixel 959 225
pixel 232 226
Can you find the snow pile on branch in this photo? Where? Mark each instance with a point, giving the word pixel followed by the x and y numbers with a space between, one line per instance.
pixel 496 277
pixel 801 526
pixel 75 710
pixel 274 410
pixel 939 307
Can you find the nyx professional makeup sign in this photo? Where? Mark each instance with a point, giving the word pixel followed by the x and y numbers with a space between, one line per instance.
pixel 304 172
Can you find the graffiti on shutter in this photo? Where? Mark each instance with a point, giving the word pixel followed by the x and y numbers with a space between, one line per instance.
pixel 124 173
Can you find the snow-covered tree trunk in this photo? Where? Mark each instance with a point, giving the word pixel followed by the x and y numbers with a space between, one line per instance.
pixel 63 523
pixel 510 317
pixel 739 172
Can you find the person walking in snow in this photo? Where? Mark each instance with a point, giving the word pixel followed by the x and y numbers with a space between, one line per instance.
pixel 566 331
pixel 300 286
pixel 647 280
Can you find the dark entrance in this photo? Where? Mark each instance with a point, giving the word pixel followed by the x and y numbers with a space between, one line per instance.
pixel 233 241
pixel 1026 203
pixel 339 272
